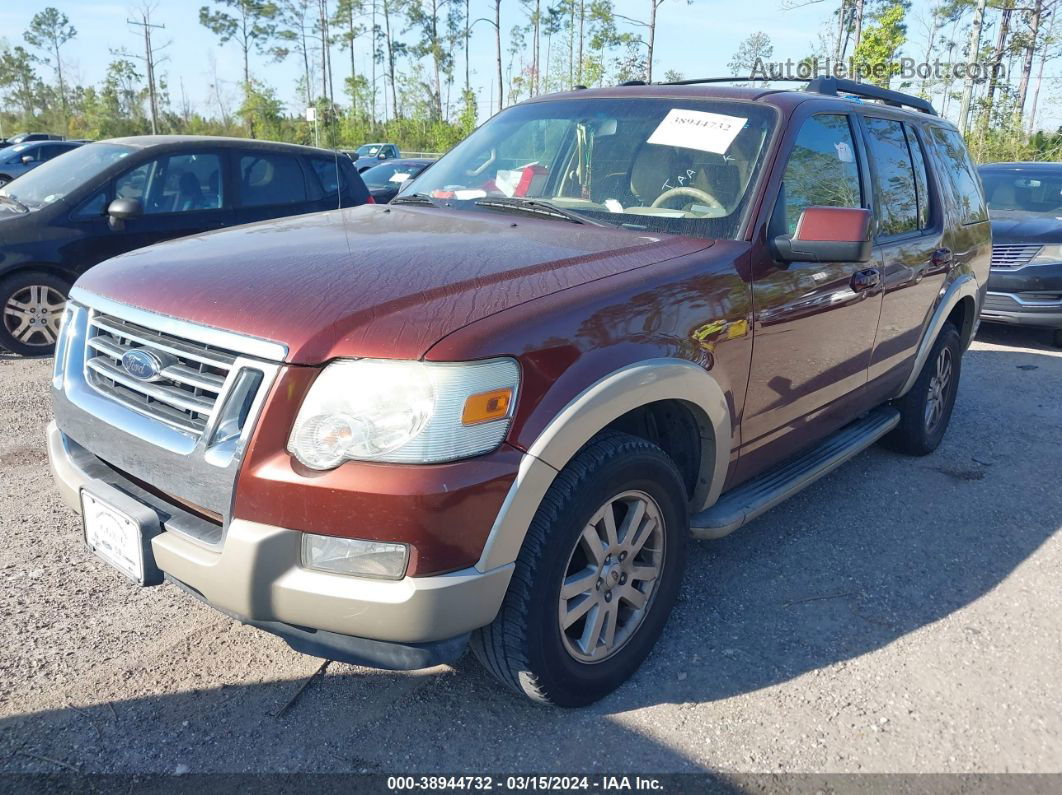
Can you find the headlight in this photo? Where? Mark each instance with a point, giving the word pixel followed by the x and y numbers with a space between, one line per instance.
pixel 404 412
pixel 1049 255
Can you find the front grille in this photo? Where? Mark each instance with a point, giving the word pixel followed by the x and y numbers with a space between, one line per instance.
pixel 186 391
pixel 1013 255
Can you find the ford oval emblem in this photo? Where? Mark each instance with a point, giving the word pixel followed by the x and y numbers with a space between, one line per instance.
pixel 142 365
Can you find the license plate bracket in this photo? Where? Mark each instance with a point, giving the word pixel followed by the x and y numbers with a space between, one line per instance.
pixel 118 530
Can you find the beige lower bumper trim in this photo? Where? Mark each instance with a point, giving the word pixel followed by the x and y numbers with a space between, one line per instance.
pixel 256 574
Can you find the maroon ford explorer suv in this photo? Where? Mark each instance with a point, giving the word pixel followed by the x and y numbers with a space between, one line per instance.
pixel 493 412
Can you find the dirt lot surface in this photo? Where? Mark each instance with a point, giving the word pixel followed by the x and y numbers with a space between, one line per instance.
pixel 901 615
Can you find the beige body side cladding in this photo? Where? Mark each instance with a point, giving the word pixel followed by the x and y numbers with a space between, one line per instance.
pixel 963 287
pixel 592 410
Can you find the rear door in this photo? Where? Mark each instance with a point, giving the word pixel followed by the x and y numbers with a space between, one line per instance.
pixel 814 321
pixel 270 185
pixel 909 233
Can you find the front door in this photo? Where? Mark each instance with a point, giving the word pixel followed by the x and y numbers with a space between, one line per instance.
pixel 814 322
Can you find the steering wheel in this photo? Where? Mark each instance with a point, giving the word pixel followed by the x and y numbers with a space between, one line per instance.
pixel 695 193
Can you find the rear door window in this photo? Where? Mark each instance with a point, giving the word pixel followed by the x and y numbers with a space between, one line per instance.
pixel 921 176
pixel 896 191
pixel 268 178
pixel 822 169
pixel 959 174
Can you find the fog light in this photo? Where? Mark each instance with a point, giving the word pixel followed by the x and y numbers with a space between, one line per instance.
pixel 354 556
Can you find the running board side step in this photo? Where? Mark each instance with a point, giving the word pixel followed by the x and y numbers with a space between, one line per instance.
pixel 743 504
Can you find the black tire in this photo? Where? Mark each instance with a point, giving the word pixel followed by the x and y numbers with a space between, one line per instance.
pixel 40 339
pixel 525 647
pixel 4 179
pixel 917 434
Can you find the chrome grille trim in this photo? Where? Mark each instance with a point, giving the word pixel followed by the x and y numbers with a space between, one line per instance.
pixel 1013 255
pixel 184 384
pixel 184 434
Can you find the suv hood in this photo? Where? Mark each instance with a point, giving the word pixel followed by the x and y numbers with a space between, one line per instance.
pixel 1017 227
pixel 371 281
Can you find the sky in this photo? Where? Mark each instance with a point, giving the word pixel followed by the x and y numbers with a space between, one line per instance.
pixel 697 39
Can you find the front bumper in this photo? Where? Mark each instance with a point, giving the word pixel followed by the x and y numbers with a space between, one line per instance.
pixel 256 576
pixel 1030 295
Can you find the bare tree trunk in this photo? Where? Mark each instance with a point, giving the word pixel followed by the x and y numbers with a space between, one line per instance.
pixel 842 29
pixel 497 45
pixel 582 19
pixel 1040 76
pixel 536 48
pixel 1030 52
pixel 929 52
pixel 652 41
pixel 997 61
pixel 858 21
pixel 571 47
pixel 372 40
pixel 391 57
pixel 468 82
pixel 971 59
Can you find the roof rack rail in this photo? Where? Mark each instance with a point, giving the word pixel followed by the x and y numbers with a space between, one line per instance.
pixel 829 86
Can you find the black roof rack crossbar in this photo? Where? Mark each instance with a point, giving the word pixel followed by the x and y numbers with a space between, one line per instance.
pixel 829 86
pixel 834 85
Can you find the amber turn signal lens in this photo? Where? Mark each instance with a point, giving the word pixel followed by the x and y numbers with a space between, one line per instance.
pixel 487 406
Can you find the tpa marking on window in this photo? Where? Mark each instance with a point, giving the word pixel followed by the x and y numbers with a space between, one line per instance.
pixel 696 129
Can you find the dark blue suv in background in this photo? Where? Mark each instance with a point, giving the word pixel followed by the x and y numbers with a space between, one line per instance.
pixel 1025 205
pixel 105 198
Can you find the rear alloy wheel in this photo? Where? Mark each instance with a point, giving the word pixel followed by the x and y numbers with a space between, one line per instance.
pixel 596 578
pixel 32 306
pixel 926 409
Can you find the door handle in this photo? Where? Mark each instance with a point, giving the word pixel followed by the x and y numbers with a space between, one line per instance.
pixel 865 279
pixel 941 258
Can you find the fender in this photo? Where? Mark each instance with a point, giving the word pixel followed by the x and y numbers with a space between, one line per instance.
pixel 963 287
pixel 592 410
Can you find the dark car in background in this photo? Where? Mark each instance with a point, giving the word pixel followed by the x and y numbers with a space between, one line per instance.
pixel 21 138
pixel 106 198
pixel 1025 205
pixel 385 180
pixel 18 159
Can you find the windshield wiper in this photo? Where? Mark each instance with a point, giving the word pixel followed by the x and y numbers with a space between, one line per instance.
pixel 537 207
pixel 422 199
pixel 13 201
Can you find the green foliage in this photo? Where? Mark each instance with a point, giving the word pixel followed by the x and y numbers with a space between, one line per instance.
pixel 880 45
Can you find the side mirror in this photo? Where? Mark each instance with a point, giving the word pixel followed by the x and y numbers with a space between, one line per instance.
pixel 354 156
pixel 121 210
pixel 827 234
pixel 26 159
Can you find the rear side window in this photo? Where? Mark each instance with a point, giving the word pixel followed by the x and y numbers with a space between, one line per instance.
pixel 822 170
pixel 269 178
pixel 921 177
pixel 897 193
pixel 959 174
pixel 330 174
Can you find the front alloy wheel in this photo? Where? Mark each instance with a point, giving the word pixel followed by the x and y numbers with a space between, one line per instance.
pixel 610 576
pixel 31 309
pixel 596 577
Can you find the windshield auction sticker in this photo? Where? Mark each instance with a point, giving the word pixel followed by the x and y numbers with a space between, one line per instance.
pixel 695 129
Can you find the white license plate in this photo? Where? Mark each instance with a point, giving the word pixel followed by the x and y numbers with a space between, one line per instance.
pixel 114 536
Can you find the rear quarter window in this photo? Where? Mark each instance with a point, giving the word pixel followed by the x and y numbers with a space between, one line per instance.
pixel 960 179
pixel 269 178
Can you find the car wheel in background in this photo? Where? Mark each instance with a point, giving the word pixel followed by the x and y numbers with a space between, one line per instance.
pixel 4 179
pixel 926 409
pixel 31 306
pixel 596 578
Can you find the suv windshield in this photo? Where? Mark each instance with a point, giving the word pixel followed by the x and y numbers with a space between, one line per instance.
pixel 53 180
pixel 1027 190
pixel 671 165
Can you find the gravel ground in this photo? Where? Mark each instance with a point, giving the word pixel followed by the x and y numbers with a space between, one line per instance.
pixel 901 615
